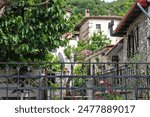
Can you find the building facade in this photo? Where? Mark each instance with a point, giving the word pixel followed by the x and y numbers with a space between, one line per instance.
pixel 134 28
pixel 97 24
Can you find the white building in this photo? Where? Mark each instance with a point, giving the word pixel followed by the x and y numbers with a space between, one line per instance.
pixel 97 24
pixel 73 39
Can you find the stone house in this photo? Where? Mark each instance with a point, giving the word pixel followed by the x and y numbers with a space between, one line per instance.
pixel 134 28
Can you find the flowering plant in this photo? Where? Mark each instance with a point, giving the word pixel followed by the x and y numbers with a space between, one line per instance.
pixel 107 92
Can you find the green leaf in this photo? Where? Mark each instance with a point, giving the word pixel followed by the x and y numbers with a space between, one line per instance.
pixel 28 33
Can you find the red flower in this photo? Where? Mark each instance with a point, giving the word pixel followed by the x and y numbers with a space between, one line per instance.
pixel 108 83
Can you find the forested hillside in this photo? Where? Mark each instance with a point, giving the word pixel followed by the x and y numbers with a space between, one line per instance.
pixel 98 7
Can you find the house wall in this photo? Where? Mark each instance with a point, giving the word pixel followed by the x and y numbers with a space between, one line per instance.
pixel 120 55
pixel 84 31
pixel 89 28
pixel 144 45
pixel 72 43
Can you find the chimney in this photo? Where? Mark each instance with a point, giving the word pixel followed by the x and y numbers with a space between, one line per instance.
pixel 87 13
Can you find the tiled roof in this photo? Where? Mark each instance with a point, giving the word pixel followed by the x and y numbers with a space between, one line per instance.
pixel 99 51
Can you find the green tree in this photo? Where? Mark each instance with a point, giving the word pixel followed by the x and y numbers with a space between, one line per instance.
pixel 95 42
pixel 67 51
pixel 98 7
pixel 98 41
pixel 120 7
pixel 79 6
pixel 31 28
pixel 80 70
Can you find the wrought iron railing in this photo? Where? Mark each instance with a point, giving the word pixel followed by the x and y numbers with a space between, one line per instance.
pixel 86 81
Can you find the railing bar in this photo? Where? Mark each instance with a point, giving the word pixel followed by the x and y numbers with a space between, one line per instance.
pixel 82 74
pixel 136 89
pixel 43 88
pixel 93 81
pixel 147 73
pixel 77 76
pixel 51 67
pixel 39 90
pixel 28 83
pixel 42 63
pixel 131 72
pixel 18 73
pixel 126 88
pixel 7 72
pixel 61 85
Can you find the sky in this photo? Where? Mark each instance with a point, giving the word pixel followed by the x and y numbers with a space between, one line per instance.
pixel 109 0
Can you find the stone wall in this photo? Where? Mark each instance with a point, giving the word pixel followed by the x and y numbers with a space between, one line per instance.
pixel 144 31
pixel 120 55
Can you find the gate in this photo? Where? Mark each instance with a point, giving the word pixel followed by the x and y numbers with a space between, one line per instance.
pixel 74 81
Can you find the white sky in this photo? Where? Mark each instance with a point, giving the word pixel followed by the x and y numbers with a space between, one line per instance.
pixel 109 0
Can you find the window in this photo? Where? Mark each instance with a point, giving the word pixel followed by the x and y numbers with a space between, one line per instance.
pixel 98 26
pixel 133 43
pixel 115 59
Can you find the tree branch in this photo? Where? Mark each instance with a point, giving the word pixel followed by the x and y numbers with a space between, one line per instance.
pixel 40 4
pixel 6 2
pixel 3 3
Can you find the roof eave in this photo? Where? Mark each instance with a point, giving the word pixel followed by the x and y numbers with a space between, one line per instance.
pixel 133 12
pixel 77 27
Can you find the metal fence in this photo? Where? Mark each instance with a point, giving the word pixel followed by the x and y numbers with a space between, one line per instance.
pixel 74 81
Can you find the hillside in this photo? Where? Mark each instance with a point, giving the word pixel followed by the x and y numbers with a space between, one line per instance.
pixel 98 7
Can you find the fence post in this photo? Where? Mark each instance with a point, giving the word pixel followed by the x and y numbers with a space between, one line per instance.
pixel 89 84
pixel 89 91
pixel 43 85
